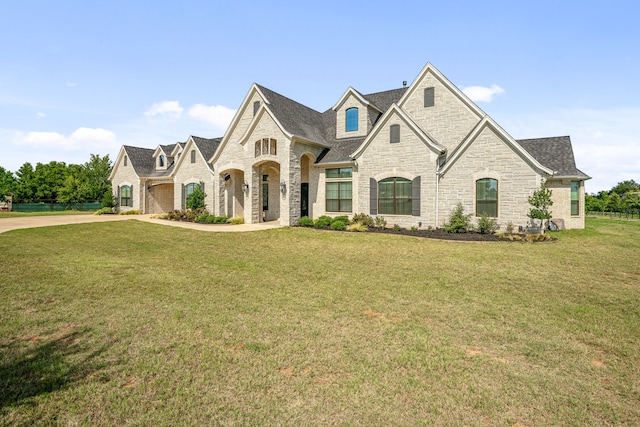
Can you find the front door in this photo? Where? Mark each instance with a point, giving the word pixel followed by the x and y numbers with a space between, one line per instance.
pixel 304 199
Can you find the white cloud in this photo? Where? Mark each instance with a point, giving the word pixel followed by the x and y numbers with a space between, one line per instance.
pixel 80 139
pixel 482 94
pixel 217 115
pixel 166 109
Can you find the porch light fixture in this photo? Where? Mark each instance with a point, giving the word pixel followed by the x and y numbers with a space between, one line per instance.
pixel 245 187
pixel 283 187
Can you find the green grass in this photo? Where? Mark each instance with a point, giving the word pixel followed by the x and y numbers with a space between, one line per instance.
pixel 21 214
pixel 137 323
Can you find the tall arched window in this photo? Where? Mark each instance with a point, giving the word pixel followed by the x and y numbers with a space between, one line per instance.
pixel 394 196
pixel 161 161
pixel 351 118
pixel 487 197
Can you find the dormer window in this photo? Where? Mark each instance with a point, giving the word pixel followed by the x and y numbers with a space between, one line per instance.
pixel 351 118
pixel 161 161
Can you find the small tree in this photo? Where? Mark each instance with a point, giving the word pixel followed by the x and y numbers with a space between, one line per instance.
pixel 195 200
pixel 540 202
pixel 459 222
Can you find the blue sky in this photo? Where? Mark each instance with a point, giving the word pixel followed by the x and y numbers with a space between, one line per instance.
pixel 81 77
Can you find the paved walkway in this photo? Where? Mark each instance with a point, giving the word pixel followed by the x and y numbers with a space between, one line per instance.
pixel 7 224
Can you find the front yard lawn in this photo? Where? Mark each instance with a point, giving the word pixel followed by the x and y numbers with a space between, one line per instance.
pixel 137 323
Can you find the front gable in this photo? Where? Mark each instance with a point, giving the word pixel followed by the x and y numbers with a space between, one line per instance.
pixel 440 108
pixel 253 102
pixel 396 130
pixel 354 115
pixel 122 165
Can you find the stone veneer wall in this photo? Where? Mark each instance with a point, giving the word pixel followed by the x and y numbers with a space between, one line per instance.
pixel 489 157
pixel 561 208
pixel 197 172
pixel 126 175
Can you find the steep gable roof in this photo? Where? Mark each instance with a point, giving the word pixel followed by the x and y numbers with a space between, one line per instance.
pixel 555 153
pixel 384 100
pixel 207 146
pixel 297 119
pixel 141 160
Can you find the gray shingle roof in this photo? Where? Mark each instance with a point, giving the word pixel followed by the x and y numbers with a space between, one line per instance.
pixel 555 153
pixel 141 159
pixel 207 146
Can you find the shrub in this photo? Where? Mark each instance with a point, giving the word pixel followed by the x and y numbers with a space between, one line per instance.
pixel 130 212
pixel 396 227
pixel 338 225
pixel 202 218
pixel 380 222
pixel 305 221
pixel 236 220
pixel 356 226
pixel 323 222
pixel 414 228
pixel 108 200
pixel 103 211
pixel 459 222
pixel 342 218
pixel 487 225
pixel 195 200
pixel 509 228
pixel 364 219
pixel 220 220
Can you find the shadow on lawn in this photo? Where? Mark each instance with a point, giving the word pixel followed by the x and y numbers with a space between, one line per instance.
pixel 52 364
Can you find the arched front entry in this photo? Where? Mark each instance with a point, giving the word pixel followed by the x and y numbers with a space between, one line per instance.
pixel 266 192
pixel 231 196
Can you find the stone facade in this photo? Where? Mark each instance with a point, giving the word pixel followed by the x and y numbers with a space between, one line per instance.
pixel 276 150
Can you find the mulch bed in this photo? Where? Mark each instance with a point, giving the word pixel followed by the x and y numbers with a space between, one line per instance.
pixel 443 235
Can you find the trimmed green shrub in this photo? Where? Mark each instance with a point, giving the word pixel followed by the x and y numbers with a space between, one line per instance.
pixel 459 222
pixel 105 210
pixel 364 219
pixel 195 200
pixel 487 225
pixel 342 218
pixel 380 222
pixel 323 222
pixel 305 221
pixel 235 220
pixel 338 225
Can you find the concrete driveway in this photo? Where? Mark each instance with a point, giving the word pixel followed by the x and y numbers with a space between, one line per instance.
pixel 7 224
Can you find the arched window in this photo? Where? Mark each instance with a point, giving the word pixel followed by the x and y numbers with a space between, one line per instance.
pixel 161 161
pixel 266 146
pixel 394 196
pixel 487 197
pixel 193 156
pixel 351 117
pixel 125 196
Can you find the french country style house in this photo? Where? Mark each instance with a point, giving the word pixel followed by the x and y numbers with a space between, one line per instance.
pixel 409 155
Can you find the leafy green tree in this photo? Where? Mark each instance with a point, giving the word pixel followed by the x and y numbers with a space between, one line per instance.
pixel 459 222
pixel 72 191
pixel 593 203
pixel 95 173
pixel 540 201
pixel 49 177
pixel 624 187
pixel 615 203
pixel 7 183
pixel 25 188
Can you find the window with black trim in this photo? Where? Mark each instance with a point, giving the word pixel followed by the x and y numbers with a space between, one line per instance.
pixel 351 119
pixel 394 196
pixel 394 134
pixel 161 161
pixel 575 197
pixel 487 197
pixel 339 190
pixel 125 196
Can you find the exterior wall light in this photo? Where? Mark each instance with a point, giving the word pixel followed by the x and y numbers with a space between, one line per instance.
pixel 245 187
pixel 283 187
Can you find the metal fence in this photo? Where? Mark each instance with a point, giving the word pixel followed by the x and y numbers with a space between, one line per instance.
pixel 51 206
pixel 626 215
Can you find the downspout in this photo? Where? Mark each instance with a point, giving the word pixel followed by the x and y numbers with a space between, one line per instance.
pixel 438 174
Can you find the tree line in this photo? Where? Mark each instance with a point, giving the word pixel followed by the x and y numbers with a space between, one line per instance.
pixel 624 197
pixel 59 182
